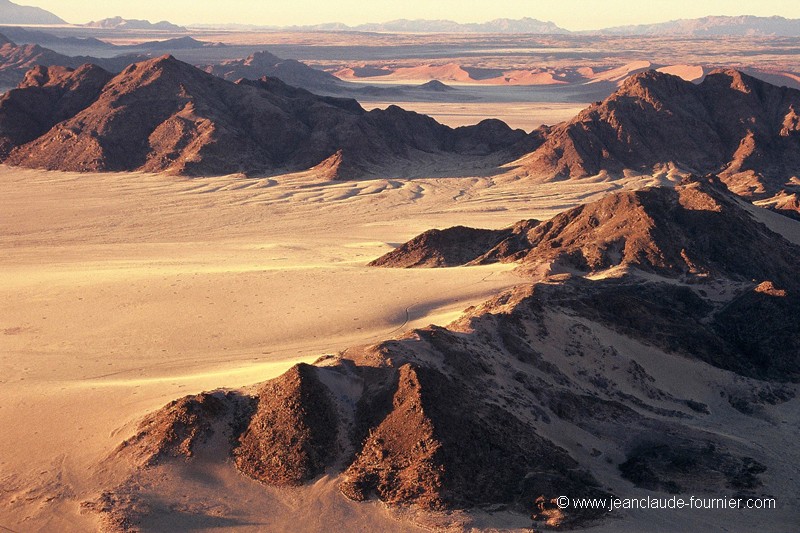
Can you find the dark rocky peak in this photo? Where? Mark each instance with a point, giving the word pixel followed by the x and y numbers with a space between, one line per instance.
pixel 435 86
pixel 262 58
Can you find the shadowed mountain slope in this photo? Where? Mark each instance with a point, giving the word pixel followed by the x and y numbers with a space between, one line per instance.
pixel 744 25
pixel 455 246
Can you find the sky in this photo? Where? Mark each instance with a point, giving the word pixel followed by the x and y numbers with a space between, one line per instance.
pixel 569 14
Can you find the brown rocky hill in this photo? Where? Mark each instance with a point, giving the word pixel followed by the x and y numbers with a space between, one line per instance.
pixel 166 115
pixel 454 246
pixel 16 60
pixel 744 129
pixel 574 385
pixel 47 96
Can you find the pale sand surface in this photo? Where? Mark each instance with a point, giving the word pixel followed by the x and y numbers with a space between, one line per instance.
pixel 524 115
pixel 121 292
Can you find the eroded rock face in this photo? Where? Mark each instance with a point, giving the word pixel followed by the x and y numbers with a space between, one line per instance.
pixel 439 448
pixel 291 438
pixel 397 462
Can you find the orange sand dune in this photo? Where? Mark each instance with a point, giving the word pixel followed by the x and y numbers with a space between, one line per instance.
pixel 617 75
pixel 687 72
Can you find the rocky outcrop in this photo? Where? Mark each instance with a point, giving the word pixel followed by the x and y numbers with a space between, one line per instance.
pixel 47 96
pixel 449 247
pixel 439 448
pixel 165 115
pixel 292 435
pixel 696 232
pixel 179 428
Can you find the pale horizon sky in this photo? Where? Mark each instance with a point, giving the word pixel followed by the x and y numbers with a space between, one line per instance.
pixel 569 14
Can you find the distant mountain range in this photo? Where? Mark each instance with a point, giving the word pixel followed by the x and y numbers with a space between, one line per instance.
pixel 503 25
pixel 17 59
pixel 11 13
pixel 31 36
pixel 23 51
pixel 263 63
pixel 745 25
pixel 133 24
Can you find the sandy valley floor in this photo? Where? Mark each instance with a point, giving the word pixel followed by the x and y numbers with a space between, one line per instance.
pixel 121 292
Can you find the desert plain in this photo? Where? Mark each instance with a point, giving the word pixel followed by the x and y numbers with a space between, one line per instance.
pixel 123 291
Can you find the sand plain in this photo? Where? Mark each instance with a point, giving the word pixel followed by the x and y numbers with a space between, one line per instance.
pixel 121 292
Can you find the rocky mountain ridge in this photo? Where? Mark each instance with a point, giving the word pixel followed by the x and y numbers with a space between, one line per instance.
pixel 166 115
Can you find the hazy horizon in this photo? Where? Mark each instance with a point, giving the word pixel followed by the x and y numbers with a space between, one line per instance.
pixel 569 14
